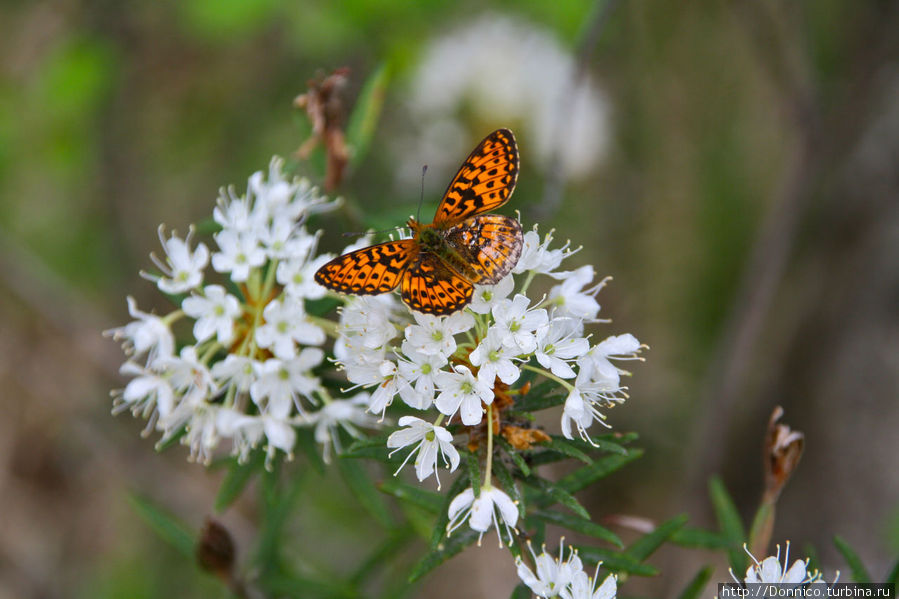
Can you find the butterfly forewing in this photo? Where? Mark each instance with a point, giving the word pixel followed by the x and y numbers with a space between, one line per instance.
pixel 484 181
pixel 375 269
pixel 432 287
pixel 486 247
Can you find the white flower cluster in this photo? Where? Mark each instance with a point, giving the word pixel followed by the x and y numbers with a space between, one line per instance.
pixel 769 570
pixel 247 374
pixel 458 364
pixel 564 578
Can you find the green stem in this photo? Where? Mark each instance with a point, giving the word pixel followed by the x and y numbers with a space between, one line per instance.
pixel 439 420
pixel 549 375
pixel 488 473
pixel 527 282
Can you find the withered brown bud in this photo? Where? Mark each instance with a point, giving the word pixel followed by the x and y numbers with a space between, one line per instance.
pixel 783 448
pixel 215 549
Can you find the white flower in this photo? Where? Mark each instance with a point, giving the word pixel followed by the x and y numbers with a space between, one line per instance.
pixel 420 370
pixel 148 333
pixel 239 253
pixel 584 587
pixel 461 391
pixel 202 434
pixel 595 363
pixel 346 413
pixel 281 382
pixel 769 570
pixel 579 411
pixel 435 334
pixel 367 321
pixel 494 360
pixel 182 267
pixel 362 366
pixel 390 382
pixel 145 394
pixel 234 213
pixel 487 296
pixel 285 326
pixel 552 575
pixel 556 345
pixel 215 312
pixel 297 277
pixel 187 375
pixel 433 442
pixel 481 512
pixel 537 257
pixel 247 431
pixel 237 371
pixel 571 299
pixel 516 324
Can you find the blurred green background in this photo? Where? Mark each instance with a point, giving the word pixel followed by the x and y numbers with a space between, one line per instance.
pixel 733 164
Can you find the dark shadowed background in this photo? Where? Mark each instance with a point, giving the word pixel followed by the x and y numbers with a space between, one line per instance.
pixel 733 164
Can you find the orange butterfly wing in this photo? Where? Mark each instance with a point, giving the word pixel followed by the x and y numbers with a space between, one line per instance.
pixel 488 247
pixel 371 270
pixel 485 180
pixel 432 287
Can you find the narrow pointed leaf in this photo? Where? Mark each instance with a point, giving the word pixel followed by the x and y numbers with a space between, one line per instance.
pixel 542 396
pixel 427 500
pixel 580 525
pixel 646 545
pixel 520 592
pixel 587 475
pixel 364 489
pixel 474 471
pixel 893 576
pixel 700 539
pixel 694 589
pixel 364 119
pixel 729 523
pixel 505 478
pixel 569 448
pixel 555 492
pixel 616 562
pixel 165 525
pixel 859 572
pixel 459 540
pixel 307 443
pixel 515 455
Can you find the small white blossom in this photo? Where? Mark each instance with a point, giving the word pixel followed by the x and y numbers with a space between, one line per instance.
pixel 461 392
pixel 367 321
pixel 487 296
pixel 432 441
pixel 420 371
pixel 537 257
pixel 481 512
pixel 390 382
pixel 297 277
pixel 239 252
pixel 147 393
pixel 769 570
pixel 435 334
pixel 516 324
pixel 148 334
pixel 282 382
pixel 569 298
pixel 285 327
pixel 552 575
pixel 183 268
pixel 187 375
pixel 494 360
pixel 345 413
pixel 557 345
pixel 237 371
pixel 584 587
pixel 214 312
pixel 247 431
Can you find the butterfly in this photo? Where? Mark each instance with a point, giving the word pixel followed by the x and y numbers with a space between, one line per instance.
pixel 437 268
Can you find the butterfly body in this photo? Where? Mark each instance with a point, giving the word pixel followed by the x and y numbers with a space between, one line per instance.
pixel 438 266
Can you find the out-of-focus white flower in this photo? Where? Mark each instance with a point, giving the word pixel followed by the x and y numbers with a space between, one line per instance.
pixel 148 334
pixel 584 587
pixel 297 277
pixel 238 253
pixel 552 575
pixel 281 383
pixel 237 371
pixel 367 321
pixel 481 512
pixel 343 413
pixel 285 327
pixel 146 393
pixel 461 392
pixel 432 442
pixel 183 268
pixel 214 311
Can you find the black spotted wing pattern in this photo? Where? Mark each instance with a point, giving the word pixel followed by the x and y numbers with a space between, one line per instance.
pixel 432 287
pixel 371 270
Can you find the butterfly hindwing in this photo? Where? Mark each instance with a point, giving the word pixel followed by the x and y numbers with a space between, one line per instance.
pixel 488 247
pixel 432 287
pixel 375 269
pixel 484 181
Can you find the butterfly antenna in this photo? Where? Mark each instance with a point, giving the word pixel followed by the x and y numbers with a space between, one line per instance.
pixel 357 233
pixel 421 199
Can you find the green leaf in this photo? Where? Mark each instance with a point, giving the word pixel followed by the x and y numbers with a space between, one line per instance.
pixel 729 522
pixel 278 500
pixel 617 562
pixel 166 525
pixel 893 576
pixel 859 572
pixel 570 449
pixel 545 395
pixel 384 552
pixel 474 471
pixel 459 540
pixel 515 455
pixel 580 525
pixel 370 447
pixel 587 475
pixel 364 119
pixel 646 545
pixel 700 539
pixel 520 592
pixel 307 443
pixel 559 494
pixel 459 485
pixel 292 585
pixel 697 584
pixel 364 489
pixel 236 480
pixel 609 446
pixel 423 498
